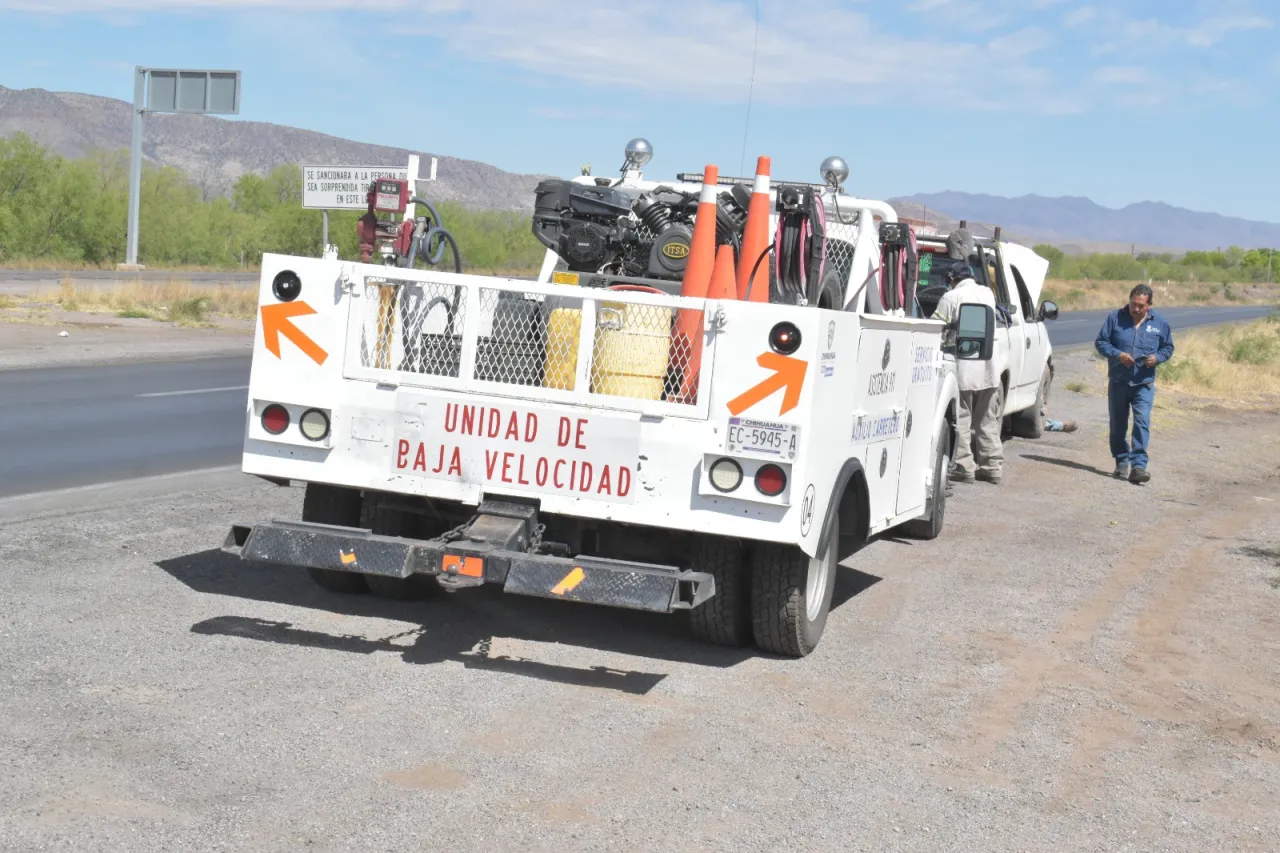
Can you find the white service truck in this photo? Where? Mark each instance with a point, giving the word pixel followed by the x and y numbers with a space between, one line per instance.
pixel 454 430
pixel 1023 353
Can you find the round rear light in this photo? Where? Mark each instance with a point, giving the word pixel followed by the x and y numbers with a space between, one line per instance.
pixel 286 285
pixel 314 424
pixel 275 419
pixel 784 338
pixel 771 480
pixel 726 475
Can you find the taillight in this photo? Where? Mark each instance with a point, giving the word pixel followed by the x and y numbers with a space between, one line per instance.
pixel 314 424
pixel 726 475
pixel 771 480
pixel 275 419
pixel 784 338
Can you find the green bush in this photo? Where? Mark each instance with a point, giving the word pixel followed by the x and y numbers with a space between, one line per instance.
pixel 1256 348
pixel 57 210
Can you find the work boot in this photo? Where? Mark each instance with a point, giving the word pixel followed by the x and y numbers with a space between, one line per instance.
pixel 1122 470
pixel 992 477
pixel 1139 476
pixel 959 475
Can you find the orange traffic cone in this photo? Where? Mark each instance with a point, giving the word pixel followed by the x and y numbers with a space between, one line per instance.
pixel 722 283
pixel 755 239
pixel 686 344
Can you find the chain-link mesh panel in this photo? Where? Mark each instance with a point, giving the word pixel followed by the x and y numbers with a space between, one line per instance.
pixel 647 352
pixel 413 327
pixel 841 237
pixel 514 346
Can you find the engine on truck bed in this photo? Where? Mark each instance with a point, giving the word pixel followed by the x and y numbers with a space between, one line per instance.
pixel 600 229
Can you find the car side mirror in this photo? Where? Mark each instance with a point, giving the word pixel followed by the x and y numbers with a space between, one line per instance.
pixel 1048 310
pixel 975 332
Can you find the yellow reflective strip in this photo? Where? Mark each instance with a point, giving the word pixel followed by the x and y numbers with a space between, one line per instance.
pixel 570 582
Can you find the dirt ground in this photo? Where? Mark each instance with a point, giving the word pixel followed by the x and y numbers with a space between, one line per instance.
pixel 1077 663
pixel 94 338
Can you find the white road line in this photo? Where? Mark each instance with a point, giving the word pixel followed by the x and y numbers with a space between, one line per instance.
pixel 195 391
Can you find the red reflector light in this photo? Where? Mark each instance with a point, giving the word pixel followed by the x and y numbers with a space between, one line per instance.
pixel 275 419
pixel 771 480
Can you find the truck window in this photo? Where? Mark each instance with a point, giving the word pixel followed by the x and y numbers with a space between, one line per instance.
pixel 1024 295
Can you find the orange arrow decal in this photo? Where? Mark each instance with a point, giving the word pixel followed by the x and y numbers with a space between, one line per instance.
pixel 277 320
pixel 788 373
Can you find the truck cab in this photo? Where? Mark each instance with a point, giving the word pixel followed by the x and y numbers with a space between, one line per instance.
pixel 1016 275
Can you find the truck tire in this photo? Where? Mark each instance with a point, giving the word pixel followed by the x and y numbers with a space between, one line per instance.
pixel 725 618
pixel 1029 423
pixel 929 526
pixel 325 504
pixel 386 521
pixel 791 595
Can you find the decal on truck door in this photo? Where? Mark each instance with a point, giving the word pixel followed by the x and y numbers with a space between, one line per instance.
pixel 788 377
pixel 277 320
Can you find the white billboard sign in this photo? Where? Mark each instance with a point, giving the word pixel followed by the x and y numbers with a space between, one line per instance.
pixel 342 187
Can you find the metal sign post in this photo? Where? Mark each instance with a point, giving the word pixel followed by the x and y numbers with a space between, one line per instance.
pixel 171 90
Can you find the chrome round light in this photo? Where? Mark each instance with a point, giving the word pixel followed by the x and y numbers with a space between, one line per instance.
pixel 314 424
pixel 726 475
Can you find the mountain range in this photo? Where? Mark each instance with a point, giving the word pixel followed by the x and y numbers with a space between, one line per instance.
pixel 1074 223
pixel 215 151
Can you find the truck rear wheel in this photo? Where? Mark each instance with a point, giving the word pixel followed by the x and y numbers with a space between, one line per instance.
pixel 1029 423
pixel 375 515
pixel 791 594
pixel 725 618
pixel 325 504
pixel 929 526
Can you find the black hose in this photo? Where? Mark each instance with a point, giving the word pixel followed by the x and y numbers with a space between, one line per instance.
pixel 752 281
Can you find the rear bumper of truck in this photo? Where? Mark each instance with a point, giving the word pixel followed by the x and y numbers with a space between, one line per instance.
pixel 471 562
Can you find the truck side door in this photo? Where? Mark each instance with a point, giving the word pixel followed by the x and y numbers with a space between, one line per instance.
pixel 883 377
pixel 922 378
pixel 1015 330
pixel 1037 343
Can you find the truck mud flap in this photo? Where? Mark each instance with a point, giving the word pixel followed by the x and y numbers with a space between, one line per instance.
pixel 588 580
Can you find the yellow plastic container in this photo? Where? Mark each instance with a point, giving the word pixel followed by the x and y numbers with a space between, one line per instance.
pixel 632 349
pixel 563 328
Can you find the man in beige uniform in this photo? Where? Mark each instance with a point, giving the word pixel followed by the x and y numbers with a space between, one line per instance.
pixel 979 389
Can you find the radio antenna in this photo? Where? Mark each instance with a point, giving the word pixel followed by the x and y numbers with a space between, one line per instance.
pixel 742 164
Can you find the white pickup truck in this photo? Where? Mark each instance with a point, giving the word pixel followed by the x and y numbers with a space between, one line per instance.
pixel 1016 276
pixel 454 430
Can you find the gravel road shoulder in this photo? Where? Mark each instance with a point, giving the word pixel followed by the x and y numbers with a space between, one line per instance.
pixel 96 338
pixel 1075 664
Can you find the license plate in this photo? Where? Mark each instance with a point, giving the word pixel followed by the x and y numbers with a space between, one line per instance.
pixel 764 438
pixel 509 448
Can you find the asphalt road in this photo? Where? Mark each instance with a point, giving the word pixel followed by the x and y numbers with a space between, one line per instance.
pixel 73 426
pixel 1081 327
pixel 85 425
pixel 117 275
pixel 1080 686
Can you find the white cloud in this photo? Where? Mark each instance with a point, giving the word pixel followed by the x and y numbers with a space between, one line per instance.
pixel 969 54
pixel 60 7
pixel 1081 16
pixel 1121 75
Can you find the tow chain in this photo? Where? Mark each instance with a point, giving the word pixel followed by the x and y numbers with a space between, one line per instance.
pixel 535 541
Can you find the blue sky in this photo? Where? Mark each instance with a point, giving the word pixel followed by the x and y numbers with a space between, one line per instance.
pixel 1118 100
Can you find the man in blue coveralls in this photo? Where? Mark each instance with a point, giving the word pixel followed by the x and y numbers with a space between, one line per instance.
pixel 1134 339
